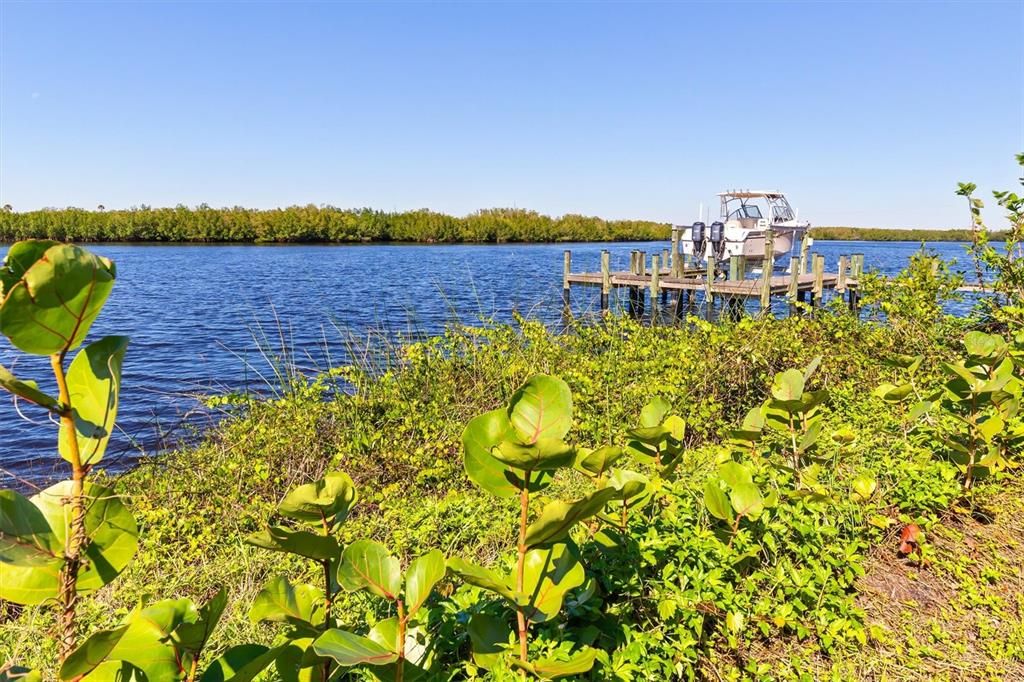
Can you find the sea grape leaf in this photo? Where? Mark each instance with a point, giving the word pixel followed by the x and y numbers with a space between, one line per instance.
pixel 91 653
pixel 734 473
pixel 598 461
pixel 148 643
pixel 281 602
pixel 542 455
pixel 489 638
pixel 481 577
pixel 746 500
pixel 32 539
pixel 115 671
pixel 349 649
pixel 28 390
pixel 416 648
pixel 20 258
pixel 549 573
pixel 481 436
pixel 558 517
pixel 52 305
pixel 367 565
pixel 716 501
pixel 788 386
pixel 541 409
pixel 552 669
pixel 983 346
pixel 423 573
pixel 94 385
pixel 301 542
pixel 327 501
pixel 653 413
pixel 240 663
pixel 194 636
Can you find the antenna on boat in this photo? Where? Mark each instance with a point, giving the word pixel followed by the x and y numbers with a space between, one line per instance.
pixel 700 211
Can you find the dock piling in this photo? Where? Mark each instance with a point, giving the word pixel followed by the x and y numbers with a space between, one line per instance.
pixel 606 279
pixel 566 270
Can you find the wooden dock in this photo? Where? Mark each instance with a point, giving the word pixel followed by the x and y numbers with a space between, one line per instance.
pixel 803 288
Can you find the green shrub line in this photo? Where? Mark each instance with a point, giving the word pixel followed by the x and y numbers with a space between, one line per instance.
pixel 327 224
pixel 616 502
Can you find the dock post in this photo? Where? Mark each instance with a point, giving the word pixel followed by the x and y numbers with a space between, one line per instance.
pixel 674 263
pixel 841 280
pixel 819 274
pixel 734 268
pixel 709 276
pixel 655 287
pixel 804 246
pixel 766 288
pixel 566 269
pixel 606 279
pixel 856 270
pixel 794 284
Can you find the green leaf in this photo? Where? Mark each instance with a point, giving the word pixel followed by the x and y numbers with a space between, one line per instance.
pixel 240 663
pixel 52 305
pixel 557 518
pixel 116 671
pixel 28 390
pixel 416 648
pixel 811 367
pixel 551 669
pixel 481 577
pixel 148 642
pixel 653 413
pixel 598 461
pixel 982 345
pixel 788 385
pixel 20 257
pixel 489 638
pixel 746 500
pixel 716 501
pixel 633 487
pixel 649 435
pixel 420 578
pixel 482 435
pixel 541 410
pixel 19 674
pixel 542 455
pixel 94 384
pixel 327 501
pixel 348 649
pixel 864 487
pixel 894 394
pixel 281 602
pixel 991 427
pixel 734 473
pixel 91 653
pixel 367 565
pixel 549 573
pixel 31 557
pixel 301 542
pixel 194 636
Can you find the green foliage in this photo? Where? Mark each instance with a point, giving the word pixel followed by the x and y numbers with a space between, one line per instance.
pixel 316 224
pixel 883 234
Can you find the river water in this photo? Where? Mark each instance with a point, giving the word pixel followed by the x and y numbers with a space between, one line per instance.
pixel 199 314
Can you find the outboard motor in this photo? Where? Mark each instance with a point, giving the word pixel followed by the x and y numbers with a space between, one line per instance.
pixel 717 238
pixel 698 238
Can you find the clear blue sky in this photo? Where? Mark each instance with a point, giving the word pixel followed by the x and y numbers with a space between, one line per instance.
pixel 866 114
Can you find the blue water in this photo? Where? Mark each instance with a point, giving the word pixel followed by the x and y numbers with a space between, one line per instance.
pixel 194 313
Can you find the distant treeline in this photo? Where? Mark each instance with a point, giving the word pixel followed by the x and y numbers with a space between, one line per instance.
pixel 330 224
pixel 883 234
pixel 316 224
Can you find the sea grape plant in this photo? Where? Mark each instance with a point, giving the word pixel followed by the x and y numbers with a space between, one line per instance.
pixel 659 435
pixel 76 536
pixel 314 648
pixel 513 452
pixel 795 412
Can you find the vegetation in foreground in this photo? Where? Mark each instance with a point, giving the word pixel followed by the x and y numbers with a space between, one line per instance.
pixel 718 512
pixel 326 224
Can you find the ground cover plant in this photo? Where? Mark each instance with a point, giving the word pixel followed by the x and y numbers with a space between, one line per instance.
pixel 807 498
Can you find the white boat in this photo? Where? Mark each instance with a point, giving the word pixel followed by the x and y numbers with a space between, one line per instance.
pixel 745 218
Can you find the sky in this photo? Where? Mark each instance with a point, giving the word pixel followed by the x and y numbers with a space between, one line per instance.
pixel 864 114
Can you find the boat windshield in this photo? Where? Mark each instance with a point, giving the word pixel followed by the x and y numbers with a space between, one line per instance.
pixel 748 211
